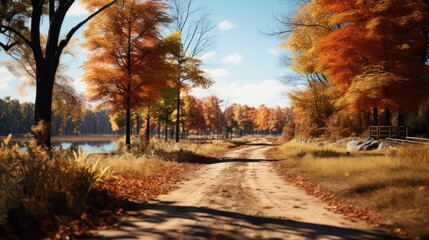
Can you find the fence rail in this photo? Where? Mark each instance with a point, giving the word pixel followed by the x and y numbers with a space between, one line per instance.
pixel 383 132
pixel 409 140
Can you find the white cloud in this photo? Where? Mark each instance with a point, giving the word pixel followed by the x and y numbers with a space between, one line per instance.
pixel 269 92
pixel 77 10
pixel 273 51
pixel 208 56
pixel 234 58
pixel 216 72
pixel 5 78
pixel 226 25
pixel 79 85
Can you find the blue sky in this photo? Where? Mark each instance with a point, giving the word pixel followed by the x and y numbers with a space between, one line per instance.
pixel 244 63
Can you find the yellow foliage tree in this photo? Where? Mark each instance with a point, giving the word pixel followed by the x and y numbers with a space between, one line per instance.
pixel 188 71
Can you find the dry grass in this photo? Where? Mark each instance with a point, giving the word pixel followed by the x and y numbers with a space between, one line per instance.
pixel 130 166
pixel 207 149
pixel 157 155
pixel 393 182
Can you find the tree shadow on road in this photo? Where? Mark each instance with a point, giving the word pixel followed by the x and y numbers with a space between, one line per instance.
pixel 208 223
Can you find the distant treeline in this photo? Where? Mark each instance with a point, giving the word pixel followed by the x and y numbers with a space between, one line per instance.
pixel 18 118
pixel 201 117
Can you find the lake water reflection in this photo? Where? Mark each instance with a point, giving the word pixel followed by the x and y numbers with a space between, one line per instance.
pixel 88 147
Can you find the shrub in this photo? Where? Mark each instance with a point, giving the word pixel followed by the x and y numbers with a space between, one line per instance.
pixel 39 184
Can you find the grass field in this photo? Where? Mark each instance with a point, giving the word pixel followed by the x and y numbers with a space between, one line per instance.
pixel 393 182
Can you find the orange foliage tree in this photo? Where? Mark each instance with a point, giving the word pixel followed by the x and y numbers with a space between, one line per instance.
pixel 276 120
pixel 262 117
pixel 193 114
pixel 376 55
pixel 242 115
pixel 212 113
pixel 373 54
pixel 230 121
pixel 126 63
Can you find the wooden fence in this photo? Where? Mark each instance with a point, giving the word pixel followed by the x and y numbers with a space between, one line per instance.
pixel 383 132
pixel 409 140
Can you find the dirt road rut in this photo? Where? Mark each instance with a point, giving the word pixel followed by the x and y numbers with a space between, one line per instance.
pixel 239 198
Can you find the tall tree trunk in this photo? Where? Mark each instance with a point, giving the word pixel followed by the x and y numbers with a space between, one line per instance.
pixel 128 124
pixel 178 115
pixel 387 116
pixel 43 106
pixel 166 126
pixel 138 124
pixel 43 111
pixel 159 127
pixel 375 116
pixel 148 129
pixel 401 121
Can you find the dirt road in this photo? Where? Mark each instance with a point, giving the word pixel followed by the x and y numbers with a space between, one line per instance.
pixel 239 198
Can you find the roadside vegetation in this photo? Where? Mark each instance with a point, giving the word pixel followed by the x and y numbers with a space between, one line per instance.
pixel 392 183
pixel 66 194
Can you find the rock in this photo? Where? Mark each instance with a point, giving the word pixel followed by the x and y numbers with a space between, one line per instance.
pixel 385 145
pixel 362 145
pixel 344 141
pixel 352 146
pixel 372 145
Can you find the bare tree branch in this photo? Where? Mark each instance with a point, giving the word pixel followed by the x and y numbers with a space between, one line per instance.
pixel 65 41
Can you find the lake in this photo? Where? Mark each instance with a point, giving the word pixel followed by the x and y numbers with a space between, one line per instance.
pixel 88 147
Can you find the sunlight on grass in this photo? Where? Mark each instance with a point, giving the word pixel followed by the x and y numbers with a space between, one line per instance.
pixel 156 156
pixel 127 165
pixel 394 182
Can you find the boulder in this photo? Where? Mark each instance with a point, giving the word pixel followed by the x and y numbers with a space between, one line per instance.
pixel 372 145
pixel 352 146
pixel 362 145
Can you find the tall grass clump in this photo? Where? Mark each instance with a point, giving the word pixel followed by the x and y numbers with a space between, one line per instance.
pixel 129 165
pixel 415 156
pixel 38 184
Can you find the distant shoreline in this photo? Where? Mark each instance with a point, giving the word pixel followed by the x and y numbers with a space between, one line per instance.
pixel 72 139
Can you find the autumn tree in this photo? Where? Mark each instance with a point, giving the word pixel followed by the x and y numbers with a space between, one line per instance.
pixel 212 113
pixel 193 112
pixel 194 37
pixel 126 62
pixel 360 55
pixel 230 119
pixel 308 28
pixel 243 119
pixel 276 120
pixel 262 118
pixel 21 23
pixel 66 102
pixel 288 132
pixel 376 56
pixel 304 32
pixel 165 106
pixel 312 107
